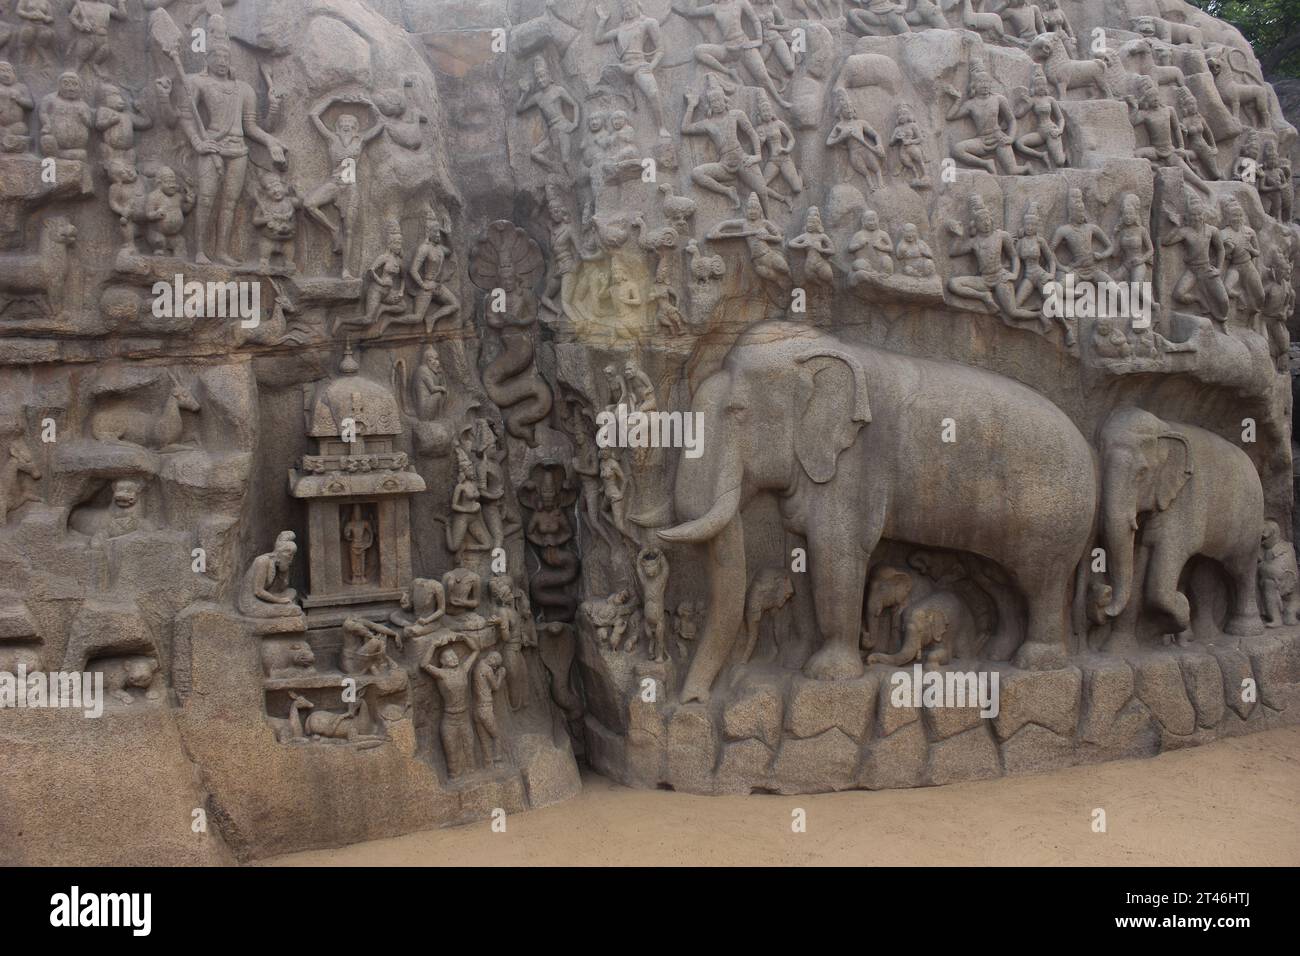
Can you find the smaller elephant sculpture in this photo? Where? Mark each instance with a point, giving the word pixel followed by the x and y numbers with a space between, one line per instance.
pixel 1170 492
pixel 930 626
pixel 889 590
pixel 1279 582
pixel 770 591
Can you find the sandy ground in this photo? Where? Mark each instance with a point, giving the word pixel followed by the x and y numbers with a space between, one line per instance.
pixel 1230 802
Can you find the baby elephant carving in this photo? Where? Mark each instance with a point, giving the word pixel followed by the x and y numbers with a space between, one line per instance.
pixel 930 627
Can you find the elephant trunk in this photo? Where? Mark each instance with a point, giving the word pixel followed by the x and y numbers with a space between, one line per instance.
pixel 1119 527
pixel 708 495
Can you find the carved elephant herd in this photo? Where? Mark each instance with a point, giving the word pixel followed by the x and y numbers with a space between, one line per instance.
pixel 860 444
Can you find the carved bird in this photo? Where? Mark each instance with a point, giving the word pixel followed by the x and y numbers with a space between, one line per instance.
pixel 704 268
pixel 677 209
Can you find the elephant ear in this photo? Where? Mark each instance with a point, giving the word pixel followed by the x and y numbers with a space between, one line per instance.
pixel 836 409
pixel 1175 469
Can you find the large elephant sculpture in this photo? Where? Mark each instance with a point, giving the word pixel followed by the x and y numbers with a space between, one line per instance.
pixel 852 441
pixel 1176 491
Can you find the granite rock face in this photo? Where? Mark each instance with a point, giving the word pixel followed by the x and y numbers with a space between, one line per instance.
pixel 402 401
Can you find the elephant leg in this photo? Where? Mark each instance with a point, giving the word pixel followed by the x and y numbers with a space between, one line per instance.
pixel 838 569
pixel 1291 608
pixel 1162 592
pixel 1272 609
pixel 1044 647
pixel 1244 617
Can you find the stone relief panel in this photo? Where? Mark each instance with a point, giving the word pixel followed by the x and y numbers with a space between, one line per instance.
pixel 460 391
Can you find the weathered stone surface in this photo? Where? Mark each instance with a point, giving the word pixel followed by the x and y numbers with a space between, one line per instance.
pixel 971 755
pixel 1234 667
pixel 1204 683
pixel 828 761
pixel 692 749
pixel 1159 685
pixel 756 713
pixel 309 342
pixel 1050 699
pixel 896 761
pixel 817 706
pixel 1033 749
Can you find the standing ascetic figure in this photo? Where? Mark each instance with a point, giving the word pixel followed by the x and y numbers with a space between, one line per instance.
pixel 859 474
pixel 345 143
pixel 221 141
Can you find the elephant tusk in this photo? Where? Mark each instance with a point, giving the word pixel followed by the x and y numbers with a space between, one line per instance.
pixel 707 527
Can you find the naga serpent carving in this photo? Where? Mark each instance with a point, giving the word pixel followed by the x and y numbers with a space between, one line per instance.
pixel 549 493
pixel 507 265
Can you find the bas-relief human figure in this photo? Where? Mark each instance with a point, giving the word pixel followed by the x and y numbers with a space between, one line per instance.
pixel 724 127
pixel 429 272
pixel 779 142
pixel 879 17
pixel 731 18
pixel 510 630
pixel 275 219
pixel 1037 265
pixel 15 103
pixel 1165 147
pixel 639 47
pixel 36 35
pixel 117 122
pixel 995 127
pixel 913 254
pixel 1241 277
pixel 861 141
pixel 345 144
pixel 906 138
pixel 221 142
pixel 818 251
pixel 1081 239
pixel 1046 142
pixel 1133 243
pixel 610 618
pixel 166 207
pixel 560 113
pixel 489 674
pixel 265 591
pixel 1197 135
pixel 996 259
pixel 763 240
pixel 1201 282
pixel 90 21
pixel 14 491
pixel 365 646
pixel 359 534
pixel 872 246
pixel 652 575
pixel 452 676
pixel 66 120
